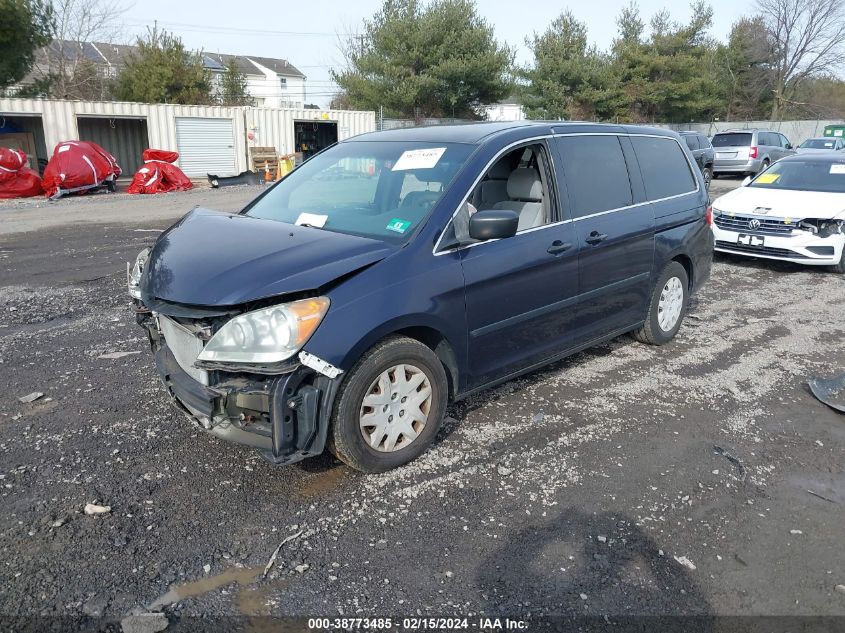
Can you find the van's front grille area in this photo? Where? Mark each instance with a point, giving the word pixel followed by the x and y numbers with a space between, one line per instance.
pixel 184 346
pixel 741 224
pixel 759 250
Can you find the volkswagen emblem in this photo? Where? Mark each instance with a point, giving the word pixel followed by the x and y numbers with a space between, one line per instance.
pixel 754 224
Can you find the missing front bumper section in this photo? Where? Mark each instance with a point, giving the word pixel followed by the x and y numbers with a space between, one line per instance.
pixel 285 417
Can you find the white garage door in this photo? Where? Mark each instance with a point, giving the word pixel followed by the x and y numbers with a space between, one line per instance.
pixel 206 146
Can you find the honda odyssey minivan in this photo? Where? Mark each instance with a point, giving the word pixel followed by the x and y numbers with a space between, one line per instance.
pixel 748 152
pixel 398 271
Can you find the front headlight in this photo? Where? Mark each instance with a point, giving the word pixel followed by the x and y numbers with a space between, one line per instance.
pixel 134 272
pixel 268 335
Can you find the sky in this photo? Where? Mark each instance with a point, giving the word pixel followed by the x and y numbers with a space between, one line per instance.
pixel 308 34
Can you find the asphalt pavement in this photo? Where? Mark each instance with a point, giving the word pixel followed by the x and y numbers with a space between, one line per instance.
pixel 698 478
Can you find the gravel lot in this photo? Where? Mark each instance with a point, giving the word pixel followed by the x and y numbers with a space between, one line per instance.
pixel 626 480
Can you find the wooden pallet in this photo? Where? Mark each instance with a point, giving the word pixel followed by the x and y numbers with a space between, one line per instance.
pixel 262 156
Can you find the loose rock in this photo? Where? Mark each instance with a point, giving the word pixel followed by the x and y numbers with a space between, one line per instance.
pixel 93 508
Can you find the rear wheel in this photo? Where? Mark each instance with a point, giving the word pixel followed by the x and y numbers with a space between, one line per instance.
pixel 764 166
pixel 390 406
pixel 707 172
pixel 667 306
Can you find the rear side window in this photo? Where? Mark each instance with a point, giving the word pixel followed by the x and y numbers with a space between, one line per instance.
pixel 704 142
pixel 765 138
pixel 664 166
pixel 740 139
pixel 596 174
pixel 691 140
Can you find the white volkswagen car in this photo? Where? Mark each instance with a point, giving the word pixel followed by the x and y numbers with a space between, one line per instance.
pixel 793 211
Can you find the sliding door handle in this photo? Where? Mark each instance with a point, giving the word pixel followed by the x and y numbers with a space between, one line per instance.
pixel 595 237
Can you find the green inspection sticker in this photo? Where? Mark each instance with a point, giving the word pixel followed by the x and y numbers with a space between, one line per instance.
pixel 398 225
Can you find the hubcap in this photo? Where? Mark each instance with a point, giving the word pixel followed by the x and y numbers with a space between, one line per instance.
pixel 670 304
pixel 395 408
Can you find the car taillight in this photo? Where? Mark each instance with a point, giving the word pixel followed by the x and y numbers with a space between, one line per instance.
pixel 752 153
pixel 708 216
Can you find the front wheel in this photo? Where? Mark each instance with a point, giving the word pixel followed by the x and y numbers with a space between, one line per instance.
pixel 390 406
pixel 667 306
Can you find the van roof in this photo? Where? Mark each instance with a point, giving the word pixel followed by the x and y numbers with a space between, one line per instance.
pixel 474 133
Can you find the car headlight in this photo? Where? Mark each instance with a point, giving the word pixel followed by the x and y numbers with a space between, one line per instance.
pixel 268 335
pixel 134 272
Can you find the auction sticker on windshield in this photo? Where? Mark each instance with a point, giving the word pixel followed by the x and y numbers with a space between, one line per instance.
pixel 768 179
pixel 419 158
pixel 312 219
pixel 398 225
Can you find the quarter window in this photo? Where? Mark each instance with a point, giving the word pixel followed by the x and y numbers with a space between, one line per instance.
pixel 692 141
pixel 596 174
pixel 664 167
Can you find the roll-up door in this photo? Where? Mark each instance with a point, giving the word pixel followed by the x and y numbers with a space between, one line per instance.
pixel 206 146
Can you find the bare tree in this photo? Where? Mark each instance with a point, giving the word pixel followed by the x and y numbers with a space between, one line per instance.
pixel 73 71
pixel 808 39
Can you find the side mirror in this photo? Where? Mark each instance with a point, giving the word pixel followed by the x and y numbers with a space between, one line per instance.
pixel 493 224
pixel 747 181
pixel 789 146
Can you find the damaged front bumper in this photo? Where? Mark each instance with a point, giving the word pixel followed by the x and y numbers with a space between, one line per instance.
pixel 285 416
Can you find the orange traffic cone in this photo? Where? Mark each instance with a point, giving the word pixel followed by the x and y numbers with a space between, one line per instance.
pixel 267 177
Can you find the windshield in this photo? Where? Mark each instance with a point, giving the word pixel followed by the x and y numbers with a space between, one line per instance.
pixel 376 189
pixel 732 140
pixel 810 175
pixel 819 143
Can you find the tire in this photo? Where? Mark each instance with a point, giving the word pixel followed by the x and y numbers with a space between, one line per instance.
pixel 652 332
pixel 707 172
pixel 764 166
pixel 347 434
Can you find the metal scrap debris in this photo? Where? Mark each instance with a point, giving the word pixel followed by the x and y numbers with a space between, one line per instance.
pixel 31 397
pixel 732 459
pixel 822 497
pixel 272 560
pixel 830 391
pixel 112 355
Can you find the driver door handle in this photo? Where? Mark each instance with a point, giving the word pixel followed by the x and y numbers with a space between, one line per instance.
pixel 558 247
pixel 595 237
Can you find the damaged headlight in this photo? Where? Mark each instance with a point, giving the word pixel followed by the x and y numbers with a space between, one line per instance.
pixel 134 272
pixel 268 335
pixel 822 228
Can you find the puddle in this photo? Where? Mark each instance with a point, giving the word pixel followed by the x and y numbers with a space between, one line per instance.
pixel 177 593
pixel 323 482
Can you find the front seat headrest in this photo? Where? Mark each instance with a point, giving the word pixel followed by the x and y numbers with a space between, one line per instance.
pixel 524 184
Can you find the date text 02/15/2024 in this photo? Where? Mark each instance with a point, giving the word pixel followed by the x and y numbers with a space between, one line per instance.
pixel 418 624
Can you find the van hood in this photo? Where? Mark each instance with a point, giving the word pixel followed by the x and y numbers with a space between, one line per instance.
pixel 782 203
pixel 216 259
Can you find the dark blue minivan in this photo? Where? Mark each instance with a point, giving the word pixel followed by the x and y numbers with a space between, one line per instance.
pixel 398 271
